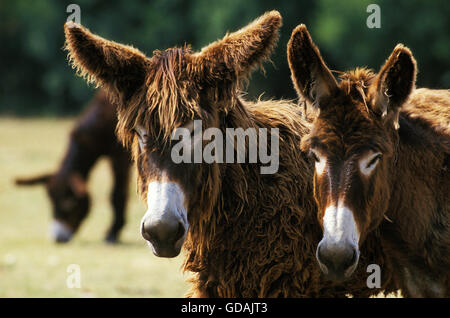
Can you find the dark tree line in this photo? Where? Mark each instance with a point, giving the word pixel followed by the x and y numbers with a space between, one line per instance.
pixel 37 80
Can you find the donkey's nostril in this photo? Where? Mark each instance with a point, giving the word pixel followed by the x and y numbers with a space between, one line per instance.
pixel 180 232
pixel 144 232
pixel 323 256
pixel 351 259
pixel 337 261
pixel 321 260
pixel 163 232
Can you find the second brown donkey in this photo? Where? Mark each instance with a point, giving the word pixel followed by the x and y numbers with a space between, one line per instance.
pixel 381 151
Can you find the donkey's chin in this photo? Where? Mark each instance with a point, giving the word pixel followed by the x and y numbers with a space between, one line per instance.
pixel 339 275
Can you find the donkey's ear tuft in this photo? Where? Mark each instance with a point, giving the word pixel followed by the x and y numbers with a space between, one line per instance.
pixel 395 82
pixel 238 53
pixel 120 68
pixel 311 77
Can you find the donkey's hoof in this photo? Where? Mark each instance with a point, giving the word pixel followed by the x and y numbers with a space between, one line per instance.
pixel 111 239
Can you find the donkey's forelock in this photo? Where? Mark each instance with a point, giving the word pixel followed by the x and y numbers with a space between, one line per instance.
pixel 356 82
pixel 167 100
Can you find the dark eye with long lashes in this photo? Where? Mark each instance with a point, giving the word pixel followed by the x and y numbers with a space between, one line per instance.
pixel 313 156
pixel 374 160
pixel 142 138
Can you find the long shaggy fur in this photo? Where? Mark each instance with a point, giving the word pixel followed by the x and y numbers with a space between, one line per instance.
pixel 259 239
pixel 250 235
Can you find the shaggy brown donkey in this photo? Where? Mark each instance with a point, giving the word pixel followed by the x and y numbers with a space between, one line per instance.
pixel 245 234
pixel 382 164
pixel 92 137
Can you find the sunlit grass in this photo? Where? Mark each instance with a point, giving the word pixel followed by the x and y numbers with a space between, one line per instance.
pixel 31 265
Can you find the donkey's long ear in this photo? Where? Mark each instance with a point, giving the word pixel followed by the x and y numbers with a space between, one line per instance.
pixel 120 67
pixel 394 83
pixel 311 77
pixel 238 53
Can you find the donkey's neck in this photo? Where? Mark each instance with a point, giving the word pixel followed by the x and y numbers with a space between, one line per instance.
pixel 92 137
pixel 418 167
pixel 257 212
pixel 287 119
pixel 418 202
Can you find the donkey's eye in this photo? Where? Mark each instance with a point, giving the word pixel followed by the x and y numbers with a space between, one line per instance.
pixel 142 135
pixel 368 163
pixel 319 161
pixel 374 160
pixel 314 156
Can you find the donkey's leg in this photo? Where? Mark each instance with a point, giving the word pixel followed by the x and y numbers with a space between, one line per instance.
pixel 119 195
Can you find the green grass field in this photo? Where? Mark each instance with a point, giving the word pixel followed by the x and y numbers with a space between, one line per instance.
pixel 31 265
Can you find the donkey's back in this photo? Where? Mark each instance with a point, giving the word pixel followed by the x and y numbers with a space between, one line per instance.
pixel 432 108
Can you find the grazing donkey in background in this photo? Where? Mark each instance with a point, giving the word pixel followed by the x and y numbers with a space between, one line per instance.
pixel 92 137
pixel 378 167
pixel 245 234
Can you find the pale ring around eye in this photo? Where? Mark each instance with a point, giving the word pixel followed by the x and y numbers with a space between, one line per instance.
pixel 142 136
pixel 369 162
pixel 320 161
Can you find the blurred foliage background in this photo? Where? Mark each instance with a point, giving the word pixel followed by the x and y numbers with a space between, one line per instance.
pixel 37 80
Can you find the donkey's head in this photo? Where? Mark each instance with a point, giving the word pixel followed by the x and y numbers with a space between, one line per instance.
pixel 352 142
pixel 70 202
pixel 159 94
